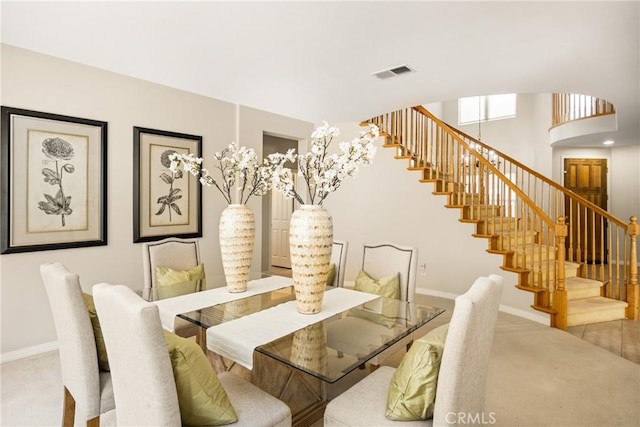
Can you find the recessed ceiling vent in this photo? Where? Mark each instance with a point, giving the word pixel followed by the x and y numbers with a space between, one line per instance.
pixel 392 72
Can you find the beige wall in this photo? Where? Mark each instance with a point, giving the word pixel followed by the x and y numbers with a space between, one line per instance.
pixel 43 83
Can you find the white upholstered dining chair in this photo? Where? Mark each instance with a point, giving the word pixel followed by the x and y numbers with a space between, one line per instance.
pixel 143 379
pixel 85 385
pixel 378 260
pixel 172 252
pixel 385 258
pixel 176 254
pixel 339 259
pixel 462 379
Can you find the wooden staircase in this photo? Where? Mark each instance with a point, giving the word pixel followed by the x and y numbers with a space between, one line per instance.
pixel 523 217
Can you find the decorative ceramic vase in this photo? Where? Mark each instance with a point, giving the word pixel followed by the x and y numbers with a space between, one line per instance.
pixel 237 236
pixel 310 242
pixel 309 348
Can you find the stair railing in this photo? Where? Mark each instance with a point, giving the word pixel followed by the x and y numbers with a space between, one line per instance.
pixel 514 206
pixel 602 243
pixel 567 107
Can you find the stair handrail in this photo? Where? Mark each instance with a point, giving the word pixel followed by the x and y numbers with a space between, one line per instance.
pixel 417 134
pixel 618 234
pixel 552 183
pixel 490 166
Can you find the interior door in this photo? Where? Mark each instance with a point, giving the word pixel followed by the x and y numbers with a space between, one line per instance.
pixel 587 178
pixel 281 210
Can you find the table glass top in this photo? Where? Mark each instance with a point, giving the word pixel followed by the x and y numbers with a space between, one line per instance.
pixel 331 348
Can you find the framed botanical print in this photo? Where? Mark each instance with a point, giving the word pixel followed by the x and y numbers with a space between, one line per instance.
pixel 53 181
pixel 165 203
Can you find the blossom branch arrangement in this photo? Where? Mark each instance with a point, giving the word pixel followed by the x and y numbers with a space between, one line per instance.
pixel 236 166
pixel 323 172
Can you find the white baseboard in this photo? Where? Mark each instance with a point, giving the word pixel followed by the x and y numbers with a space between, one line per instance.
pixel 433 293
pixel 28 352
pixel 525 314
pixel 504 308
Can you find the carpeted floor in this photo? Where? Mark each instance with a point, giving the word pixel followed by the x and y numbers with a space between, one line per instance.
pixel 538 376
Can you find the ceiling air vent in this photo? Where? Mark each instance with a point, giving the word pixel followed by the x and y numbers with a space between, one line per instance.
pixel 392 72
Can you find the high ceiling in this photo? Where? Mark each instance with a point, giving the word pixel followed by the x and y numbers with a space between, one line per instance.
pixel 314 60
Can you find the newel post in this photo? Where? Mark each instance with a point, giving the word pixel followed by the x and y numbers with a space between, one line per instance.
pixel 559 319
pixel 633 230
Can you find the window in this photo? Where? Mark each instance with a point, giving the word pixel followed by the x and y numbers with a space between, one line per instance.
pixel 490 107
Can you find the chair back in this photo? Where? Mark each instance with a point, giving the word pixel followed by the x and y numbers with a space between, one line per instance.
pixel 175 253
pixel 339 259
pixel 383 259
pixel 465 360
pixel 143 384
pixel 77 345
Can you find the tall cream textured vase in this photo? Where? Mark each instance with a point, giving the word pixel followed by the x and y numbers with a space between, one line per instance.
pixel 310 242
pixel 237 237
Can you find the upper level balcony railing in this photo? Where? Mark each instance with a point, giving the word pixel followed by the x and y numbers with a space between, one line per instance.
pixel 570 106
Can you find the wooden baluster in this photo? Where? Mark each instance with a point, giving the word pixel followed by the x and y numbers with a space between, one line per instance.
pixel 559 319
pixel 633 293
pixel 610 264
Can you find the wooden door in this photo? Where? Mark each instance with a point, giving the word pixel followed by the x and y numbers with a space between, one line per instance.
pixel 587 231
pixel 281 210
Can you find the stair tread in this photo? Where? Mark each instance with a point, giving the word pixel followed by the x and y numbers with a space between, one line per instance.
pixel 506 233
pixel 482 236
pixel 593 304
pixel 499 218
pixel 575 283
pixel 499 251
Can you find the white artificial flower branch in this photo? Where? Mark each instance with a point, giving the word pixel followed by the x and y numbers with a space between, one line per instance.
pixel 323 172
pixel 236 165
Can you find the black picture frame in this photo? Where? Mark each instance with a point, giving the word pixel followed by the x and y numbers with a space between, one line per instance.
pixel 161 207
pixel 53 181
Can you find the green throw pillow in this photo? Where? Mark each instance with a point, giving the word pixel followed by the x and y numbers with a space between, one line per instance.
pixel 103 361
pixel 331 275
pixel 412 391
pixel 172 283
pixel 166 276
pixel 201 397
pixel 383 312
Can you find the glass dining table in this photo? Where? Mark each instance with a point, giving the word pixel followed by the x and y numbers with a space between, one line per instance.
pixel 320 354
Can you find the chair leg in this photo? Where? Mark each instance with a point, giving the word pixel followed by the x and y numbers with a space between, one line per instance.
pixel 68 409
pixel 94 422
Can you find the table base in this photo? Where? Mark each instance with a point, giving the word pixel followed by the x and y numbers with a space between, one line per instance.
pixel 305 395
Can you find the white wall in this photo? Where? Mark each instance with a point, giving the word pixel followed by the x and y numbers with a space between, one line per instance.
pixel 43 83
pixel 624 173
pixel 516 137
